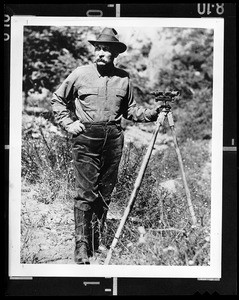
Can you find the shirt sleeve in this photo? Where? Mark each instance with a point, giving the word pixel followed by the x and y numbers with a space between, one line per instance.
pixel 63 99
pixel 138 113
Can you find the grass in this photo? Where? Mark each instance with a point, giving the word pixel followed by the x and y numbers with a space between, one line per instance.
pixel 158 230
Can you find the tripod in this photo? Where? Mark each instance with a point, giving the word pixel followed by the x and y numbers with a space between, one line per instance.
pixel 164 113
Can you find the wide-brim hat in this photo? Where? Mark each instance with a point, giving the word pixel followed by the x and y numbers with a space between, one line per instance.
pixel 108 36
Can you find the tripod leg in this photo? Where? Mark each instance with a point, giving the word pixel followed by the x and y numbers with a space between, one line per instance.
pixel 190 206
pixel 134 193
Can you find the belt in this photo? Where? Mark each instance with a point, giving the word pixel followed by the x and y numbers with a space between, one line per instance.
pixel 102 123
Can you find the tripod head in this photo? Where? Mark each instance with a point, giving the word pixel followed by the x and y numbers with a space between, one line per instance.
pixel 165 96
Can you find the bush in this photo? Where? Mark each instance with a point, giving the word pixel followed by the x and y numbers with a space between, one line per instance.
pixel 51 53
pixel 46 154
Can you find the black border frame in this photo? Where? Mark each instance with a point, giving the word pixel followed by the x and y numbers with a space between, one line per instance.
pixel 227 285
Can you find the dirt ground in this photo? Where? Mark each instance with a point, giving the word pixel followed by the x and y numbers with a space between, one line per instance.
pixel 47 230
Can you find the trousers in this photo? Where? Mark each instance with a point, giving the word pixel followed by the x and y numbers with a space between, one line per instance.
pixel 96 157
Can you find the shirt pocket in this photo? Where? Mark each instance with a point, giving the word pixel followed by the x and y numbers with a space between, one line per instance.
pixel 118 96
pixel 120 93
pixel 88 97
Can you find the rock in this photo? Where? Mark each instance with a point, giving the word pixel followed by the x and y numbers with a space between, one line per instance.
pixel 190 262
pixel 170 185
pixel 141 136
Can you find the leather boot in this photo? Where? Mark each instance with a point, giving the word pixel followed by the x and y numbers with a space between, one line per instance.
pixel 98 226
pixel 102 230
pixel 82 235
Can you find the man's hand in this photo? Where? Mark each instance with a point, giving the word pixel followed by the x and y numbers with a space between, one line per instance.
pixel 76 127
pixel 159 109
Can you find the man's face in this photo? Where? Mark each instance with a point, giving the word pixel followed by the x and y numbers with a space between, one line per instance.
pixel 104 55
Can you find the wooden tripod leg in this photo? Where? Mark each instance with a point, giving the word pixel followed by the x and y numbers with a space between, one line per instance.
pixel 136 187
pixel 190 206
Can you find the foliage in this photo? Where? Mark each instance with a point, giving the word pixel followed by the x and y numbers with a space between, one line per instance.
pixel 190 72
pixel 136 64
pixel 46 157
pixel 51 53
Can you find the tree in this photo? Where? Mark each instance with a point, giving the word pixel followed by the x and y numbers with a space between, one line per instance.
pixel 190 72
pixel 51 53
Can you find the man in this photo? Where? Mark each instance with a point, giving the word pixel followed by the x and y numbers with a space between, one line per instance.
pixel 98 95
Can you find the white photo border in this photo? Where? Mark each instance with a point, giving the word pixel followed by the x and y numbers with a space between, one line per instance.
pixel 16 73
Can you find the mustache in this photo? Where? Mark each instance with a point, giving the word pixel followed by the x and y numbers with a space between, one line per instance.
pixel 100 60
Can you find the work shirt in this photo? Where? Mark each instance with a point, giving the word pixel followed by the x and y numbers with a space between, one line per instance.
pixel 96 98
